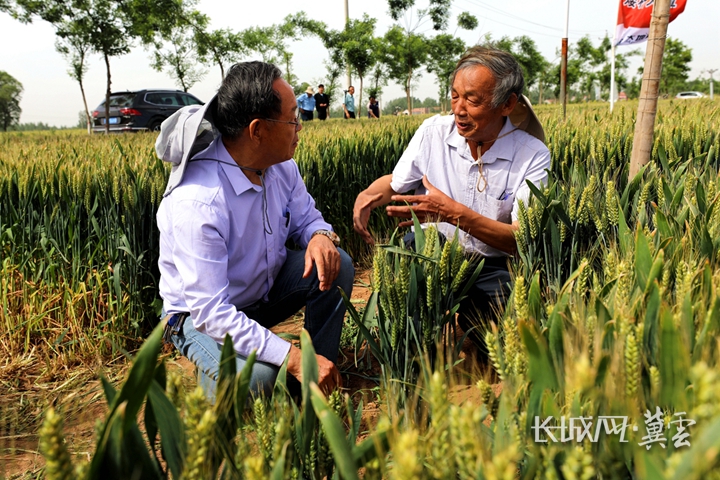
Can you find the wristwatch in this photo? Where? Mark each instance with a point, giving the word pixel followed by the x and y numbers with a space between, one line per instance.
pixel 331 235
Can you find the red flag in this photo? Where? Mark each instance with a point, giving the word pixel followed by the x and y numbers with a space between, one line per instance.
pixel 633 24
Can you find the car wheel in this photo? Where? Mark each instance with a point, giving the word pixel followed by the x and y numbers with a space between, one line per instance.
pixel 155 126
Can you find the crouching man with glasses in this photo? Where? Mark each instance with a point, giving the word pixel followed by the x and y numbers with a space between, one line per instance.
pixel 233 199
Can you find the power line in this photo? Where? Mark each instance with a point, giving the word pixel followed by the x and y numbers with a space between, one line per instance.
pixel 478 3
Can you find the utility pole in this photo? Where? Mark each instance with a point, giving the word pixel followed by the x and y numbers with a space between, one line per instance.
pixel 564 61
pixel 347 20
pixel 711 82
pixel 649 90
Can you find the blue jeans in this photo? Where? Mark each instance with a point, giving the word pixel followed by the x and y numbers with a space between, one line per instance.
pixel 324 313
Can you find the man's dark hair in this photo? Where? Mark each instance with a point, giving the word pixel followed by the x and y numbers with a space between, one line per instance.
pixel 246 93
pixel 321 86
pixel 506 70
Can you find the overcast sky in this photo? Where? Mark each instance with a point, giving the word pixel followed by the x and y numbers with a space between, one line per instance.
pixel 50 96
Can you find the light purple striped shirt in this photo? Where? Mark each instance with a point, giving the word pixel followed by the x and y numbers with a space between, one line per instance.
pixel 215 255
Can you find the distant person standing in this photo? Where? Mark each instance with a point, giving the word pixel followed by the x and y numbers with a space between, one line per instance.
pixel 306 105
pixel 349 103
pixel 322 101
pixel 373 108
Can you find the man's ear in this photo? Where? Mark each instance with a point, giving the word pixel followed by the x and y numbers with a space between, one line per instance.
pixel 509 105
pixel 255 130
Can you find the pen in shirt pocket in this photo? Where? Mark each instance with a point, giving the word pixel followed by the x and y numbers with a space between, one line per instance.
pixel 505 195
pixel 287 218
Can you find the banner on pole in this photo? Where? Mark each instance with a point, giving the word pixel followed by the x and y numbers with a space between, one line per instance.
pixel 633 25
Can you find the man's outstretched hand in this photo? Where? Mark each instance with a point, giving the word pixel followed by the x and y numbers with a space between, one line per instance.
pixel 434 206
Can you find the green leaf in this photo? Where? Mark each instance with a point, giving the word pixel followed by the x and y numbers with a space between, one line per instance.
pixel 651 328
pixel 135 388
pixel 541 372
pixel 673 368
pixel 419 234
pixel 309 377
pixel 335 434
pixel 711 327
pixel 655 270
pixel 242 385
pixel 172 436
pixel 702 455
pixel 643 259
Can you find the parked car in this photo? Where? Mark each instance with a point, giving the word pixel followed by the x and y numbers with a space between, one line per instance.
pixel 690 95
pixel 141 110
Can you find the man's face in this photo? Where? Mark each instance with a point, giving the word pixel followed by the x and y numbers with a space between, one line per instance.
pixel 321 90
pixel 471 101
pixel 309 94
pixel 351 90
pixel 280 145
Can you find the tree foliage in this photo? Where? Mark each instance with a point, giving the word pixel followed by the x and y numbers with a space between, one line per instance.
pixel 10 94
pixel 178 57
pixel 525 51
pixel 74 44
pixel 404 53
pixel 109 26
pixel 676 66
pixel 360 48
pixel 443 53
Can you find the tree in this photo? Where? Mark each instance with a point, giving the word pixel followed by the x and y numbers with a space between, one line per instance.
pixel 10 94
pixel 403 53
pixel 443 53
pixel 221 46
pixel 109 25
pixel 525 51
pixel 332 40
pixel 359 46
pixel 438 11
pixel 675 67
pixel 74 44
pixel 180 58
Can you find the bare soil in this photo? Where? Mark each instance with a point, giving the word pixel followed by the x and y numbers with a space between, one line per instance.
pixel 24 396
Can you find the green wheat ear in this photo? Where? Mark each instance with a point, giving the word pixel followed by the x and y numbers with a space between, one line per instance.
pixel 58 465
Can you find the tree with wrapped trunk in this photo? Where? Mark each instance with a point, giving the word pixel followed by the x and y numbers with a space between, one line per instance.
pixel 10 93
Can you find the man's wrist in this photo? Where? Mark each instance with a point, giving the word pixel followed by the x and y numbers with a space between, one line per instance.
pixel 329 234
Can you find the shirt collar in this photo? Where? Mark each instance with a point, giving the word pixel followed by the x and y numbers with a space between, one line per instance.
pixel 501 149
pixel 235 175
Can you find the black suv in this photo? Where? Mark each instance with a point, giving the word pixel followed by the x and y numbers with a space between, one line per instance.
pixel 141 110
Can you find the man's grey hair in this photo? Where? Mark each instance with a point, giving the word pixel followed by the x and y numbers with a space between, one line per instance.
pixel 506 70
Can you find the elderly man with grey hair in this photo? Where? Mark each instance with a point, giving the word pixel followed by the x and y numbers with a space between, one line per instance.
pixel 469 171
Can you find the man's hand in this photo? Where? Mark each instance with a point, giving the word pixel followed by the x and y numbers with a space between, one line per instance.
pixel 322 252
pixel 328 375
pixel 361 214
pixel 435 206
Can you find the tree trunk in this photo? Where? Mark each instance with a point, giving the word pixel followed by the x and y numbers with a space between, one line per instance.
pixel 107 94
pixel 359 109
pixel 88 118
pixel 222 71
pixel 647 107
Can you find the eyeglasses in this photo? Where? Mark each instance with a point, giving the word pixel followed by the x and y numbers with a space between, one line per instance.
pixel 296 122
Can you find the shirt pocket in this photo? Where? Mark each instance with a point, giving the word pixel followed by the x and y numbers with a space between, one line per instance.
pixel 499 209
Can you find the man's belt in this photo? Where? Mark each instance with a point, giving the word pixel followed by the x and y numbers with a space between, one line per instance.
pixel 173 325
